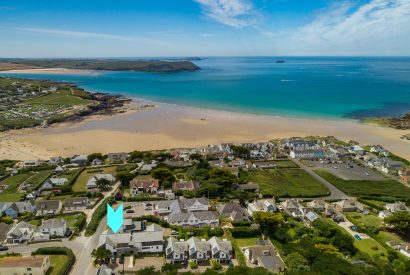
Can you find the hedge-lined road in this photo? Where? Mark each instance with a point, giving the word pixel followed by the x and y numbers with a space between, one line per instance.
pixel 81 246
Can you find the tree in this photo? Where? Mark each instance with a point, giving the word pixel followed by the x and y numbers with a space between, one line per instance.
pixel 125 178
pixel 100 254
pixel 94 156
pixel 296 261
pixel 268 221
pixel 148 271
pixel 163 174
pixel 103 184
pixel 6 219
pixel 399 221
pixel 240 152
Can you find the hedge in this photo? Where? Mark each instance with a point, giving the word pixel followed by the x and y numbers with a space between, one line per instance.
pixel 99 213
pixel 244 232
pixel 58 251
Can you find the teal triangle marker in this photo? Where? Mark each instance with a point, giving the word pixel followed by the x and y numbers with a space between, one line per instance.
pixel 115 218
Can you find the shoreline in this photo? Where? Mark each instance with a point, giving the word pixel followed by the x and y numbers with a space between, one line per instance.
pixel 149 125
pixel 53 71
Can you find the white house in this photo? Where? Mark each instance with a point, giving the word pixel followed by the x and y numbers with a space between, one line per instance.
pixel 194 219
pixel 92 181
pixel 405 249
pixel 195 204
pixel 263 205
pixel 54 227
pixel 20 232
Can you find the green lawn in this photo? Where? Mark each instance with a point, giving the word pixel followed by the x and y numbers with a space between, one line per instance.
pixel 367 220
pixel 13 182
pixel 243 242
pixel 71 219
pixel 59 98
pixel 366 187
pixel 10 197
pixel 80 184
pixel 371 247
pixel 56 264
pixel 286 182
pixel 286 164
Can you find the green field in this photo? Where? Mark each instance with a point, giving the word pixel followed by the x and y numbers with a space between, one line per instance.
pixel 286 164
pixel 286 182
pixel 6 197
pixel 371 247
pixel 367 220
pixel 58 98
pixel 38 178
pixel 57 264
pixel 366 187
pixel 80 184
pixel 13 182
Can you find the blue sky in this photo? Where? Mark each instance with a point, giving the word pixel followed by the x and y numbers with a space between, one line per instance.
pixel 143 28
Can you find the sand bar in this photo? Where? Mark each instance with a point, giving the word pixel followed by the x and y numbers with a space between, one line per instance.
pixel 171 126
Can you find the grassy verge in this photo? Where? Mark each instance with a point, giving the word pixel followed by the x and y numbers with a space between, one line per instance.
pixel 99 213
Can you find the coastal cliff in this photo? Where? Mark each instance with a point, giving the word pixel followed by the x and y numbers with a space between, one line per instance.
pixel 152 66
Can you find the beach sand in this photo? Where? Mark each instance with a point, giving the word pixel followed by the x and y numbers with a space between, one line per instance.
pixel 53 71
pixel 171 126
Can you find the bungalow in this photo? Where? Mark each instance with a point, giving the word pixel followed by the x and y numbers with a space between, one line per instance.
pixel 81 160
pixel 176 251
pixel 351 205
pixel 310 217
pixel 54 227
pixel 292 207
pixel 145 168
pixel 262 205
pixel 199 250
pixel 59 170
pixel 167 207
pixel 96 162
pixel 139 186
pixel 273 264
pixel 48 207
pixel 92 181
pixel 74 204
pixel 397 207
pixel 217 163
pixel 233 211
pixel 31 163
pixel 356 150
pixel 55 161
pixel 35 265
pixel 13 209
pixel 237 163
pixel 396 245
pixel 195 204
pixel 221 250
pixel 53 182
pixel 20 232
pixel 117 156
pixel 317 205
pixel 265 164
pixel 307 154
pixel 253 252
pixel 193 219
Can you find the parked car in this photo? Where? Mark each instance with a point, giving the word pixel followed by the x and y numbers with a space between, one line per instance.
pixel 121 260
pixel 113 259
pixel 129 211
pixel 357 237
pixel 174 232
pixel 3 248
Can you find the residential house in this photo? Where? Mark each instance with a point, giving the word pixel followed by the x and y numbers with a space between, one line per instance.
pixel 384 214
pixel 233 211
pixel 195 204
pixel 146 168
pixel 104 270
pixel 405 249
pixel 14 209
pixel 115 157
pixel 48 207
pixel 221 250
pixel 176 251
pixel 54 182
pixel 81 160
pixel 405 175
pixel 305 149
pixel 96 162
pixel 237 163
pixel 199 250
pixel 265 164
pixel 31 163
pixel 4 229
pixel 167 207
pixel 262 205
pixel 34 265
pixel 351 205
pixel 75 204
pixel 397 207
pixel 144 186
pixel 193 219
pixel 183 186
pixel 317 205
pixel 148 241
pixel 249 187
pixel 20 232
pixel 396 245
pixel 379 150
pixel 59 170
pixel 92 181
pixel 54 227
pixel 273 264
pixel 292 207
pixel 356 150
pixel 56 161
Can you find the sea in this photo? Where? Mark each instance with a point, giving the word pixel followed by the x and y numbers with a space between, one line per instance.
pixel 328 87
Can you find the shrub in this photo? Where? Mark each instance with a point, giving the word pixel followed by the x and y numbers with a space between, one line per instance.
pixel 97 216
pixel 170 267
pixel 216 265
pixel 244 232
pixel 193 265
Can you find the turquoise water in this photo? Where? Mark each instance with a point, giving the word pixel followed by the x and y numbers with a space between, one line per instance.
pixel 313 87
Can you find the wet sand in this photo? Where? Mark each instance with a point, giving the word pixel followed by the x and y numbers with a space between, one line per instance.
pixel 171 126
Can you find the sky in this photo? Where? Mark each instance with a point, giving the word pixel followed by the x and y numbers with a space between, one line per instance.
pixel 154 28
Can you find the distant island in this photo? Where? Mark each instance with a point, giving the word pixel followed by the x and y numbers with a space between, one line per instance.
pixel 154 66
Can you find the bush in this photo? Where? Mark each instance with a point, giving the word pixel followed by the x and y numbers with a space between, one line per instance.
pixel 97 216
pixel 58 251
pixel 80 222
pixel 170 267
pixel 244 232
pixel 216 265
pixel 193 265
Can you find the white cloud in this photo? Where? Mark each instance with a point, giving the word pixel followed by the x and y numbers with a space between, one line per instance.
pixel 376 28
pixel 233 13
pixel 90 34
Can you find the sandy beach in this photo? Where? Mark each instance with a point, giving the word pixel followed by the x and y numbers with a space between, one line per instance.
pixel 52 71
pixel 171 126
